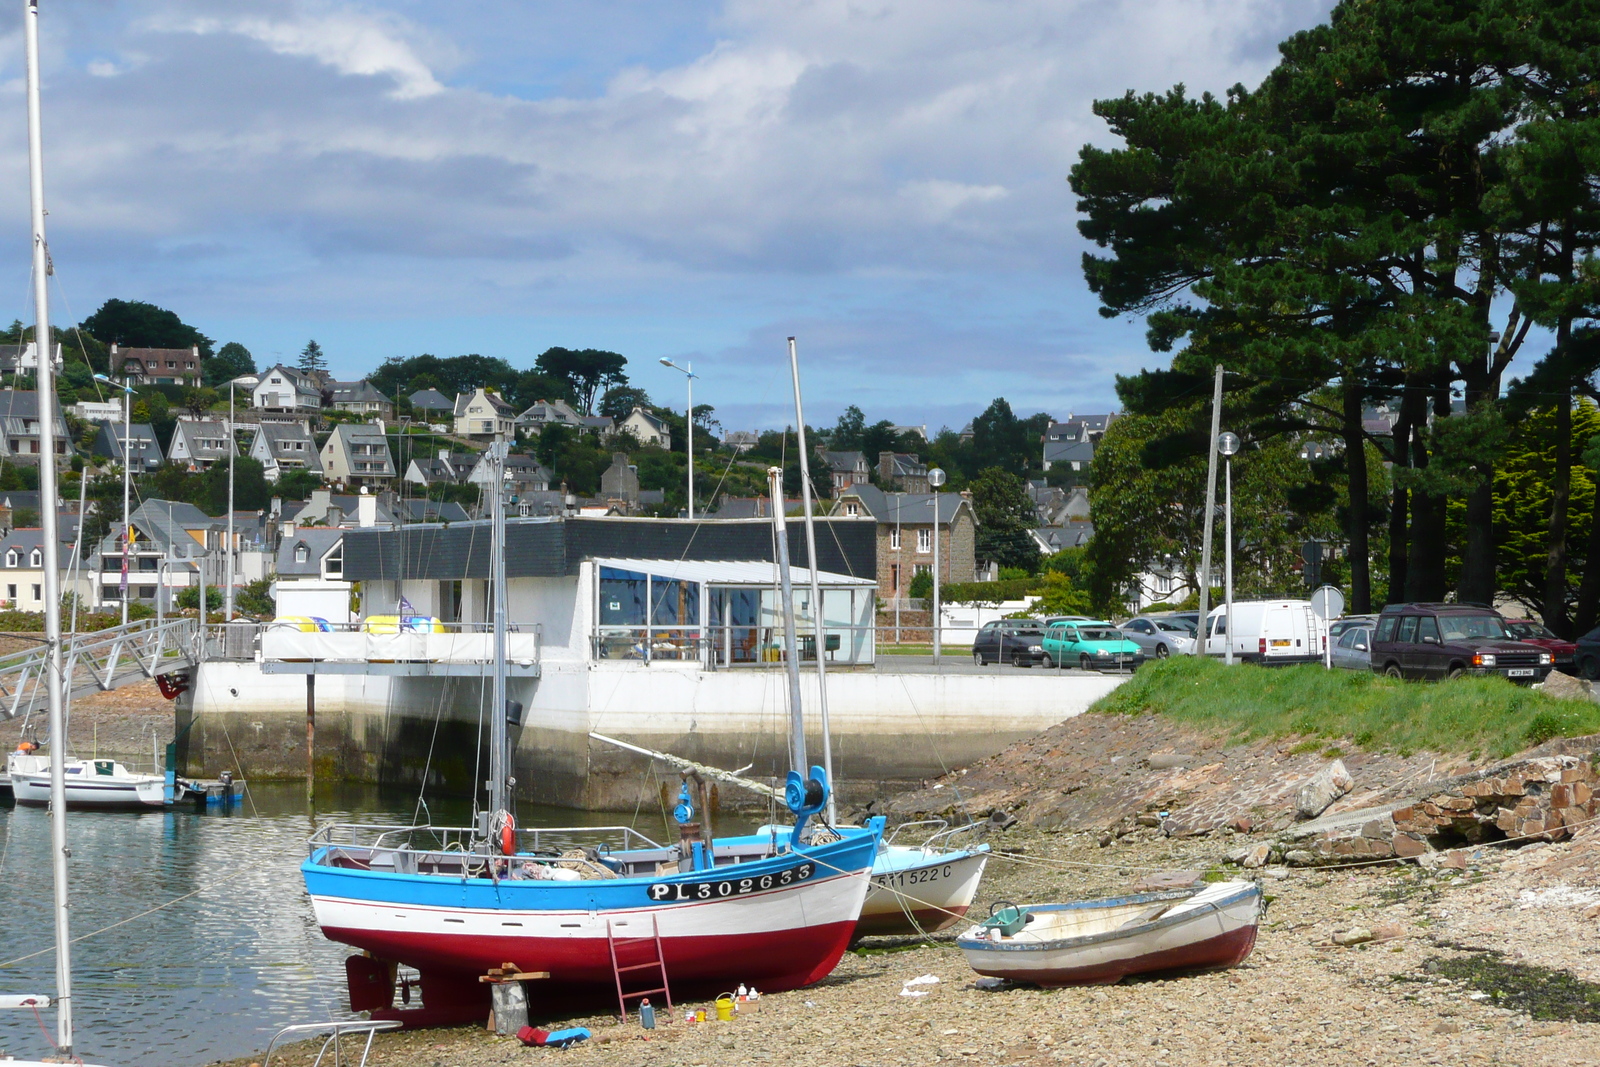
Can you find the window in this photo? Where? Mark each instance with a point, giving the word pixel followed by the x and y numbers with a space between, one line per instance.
pixel 37 594
pixel 35 558
pixel 1428 629
pixel 1408 630
pixel 333 562
pixel 11 592
pixel 1076 465
pixel 922 568
pixel 1348 638
pixel 894 577
pixel 1386 627
pixel 852 510
pixel 11 561
pixel 301 553
pixel 924 540
pixel 894 539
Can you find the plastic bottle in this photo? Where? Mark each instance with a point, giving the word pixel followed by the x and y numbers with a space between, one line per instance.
pixel 647 1014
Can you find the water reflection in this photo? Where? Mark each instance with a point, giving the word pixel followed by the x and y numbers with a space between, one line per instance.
pixel 213 975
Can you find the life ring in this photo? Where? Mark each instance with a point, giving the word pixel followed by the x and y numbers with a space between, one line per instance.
pixel 508 835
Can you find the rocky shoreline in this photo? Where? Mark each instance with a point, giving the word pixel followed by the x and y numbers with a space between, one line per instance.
pixel 1491 958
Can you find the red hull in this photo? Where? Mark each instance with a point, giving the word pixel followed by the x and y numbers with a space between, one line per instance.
pixel 1222 951
pixel 580 968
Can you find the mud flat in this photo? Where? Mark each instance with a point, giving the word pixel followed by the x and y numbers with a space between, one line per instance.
pixel 1490 956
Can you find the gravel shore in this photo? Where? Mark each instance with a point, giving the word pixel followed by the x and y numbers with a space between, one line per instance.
pixel 1488 962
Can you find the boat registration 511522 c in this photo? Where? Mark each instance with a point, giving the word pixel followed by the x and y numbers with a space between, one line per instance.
pixel 730 887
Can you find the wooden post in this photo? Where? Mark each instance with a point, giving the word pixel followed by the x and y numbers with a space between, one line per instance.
pixel 311 736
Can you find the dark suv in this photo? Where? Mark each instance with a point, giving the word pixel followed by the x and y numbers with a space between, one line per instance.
pixel 1450 640
pixel 1017 641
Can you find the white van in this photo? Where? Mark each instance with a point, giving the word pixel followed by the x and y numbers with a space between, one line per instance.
pixel 1268 631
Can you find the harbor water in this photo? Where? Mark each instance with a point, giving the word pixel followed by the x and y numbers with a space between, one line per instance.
pixel 233 955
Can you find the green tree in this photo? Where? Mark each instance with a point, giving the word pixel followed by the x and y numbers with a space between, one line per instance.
pixel 620 400
pixel 1005 516
pixel 311 357
pixel 848 433
pixel 136 324
pixel 296 484
pixel 586 371
pixel 232 360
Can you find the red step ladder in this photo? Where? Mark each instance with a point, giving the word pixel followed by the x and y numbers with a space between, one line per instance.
pixel 657 963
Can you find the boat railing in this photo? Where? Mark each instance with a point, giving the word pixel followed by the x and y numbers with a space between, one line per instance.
pixel 942 834
pixel 335 1030
pixel 426 838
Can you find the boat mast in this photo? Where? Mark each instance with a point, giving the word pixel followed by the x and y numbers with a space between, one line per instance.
pixel 791 658
pixel 816 584
pixel 49 520
pixel 495 458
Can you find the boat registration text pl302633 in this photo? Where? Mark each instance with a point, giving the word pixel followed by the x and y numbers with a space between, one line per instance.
pixel 731 887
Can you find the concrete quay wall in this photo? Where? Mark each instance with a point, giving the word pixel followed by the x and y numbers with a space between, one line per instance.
pixel 890 729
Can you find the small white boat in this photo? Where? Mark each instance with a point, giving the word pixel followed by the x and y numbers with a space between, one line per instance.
pixel 1104 941
pixel 91 783
pixel 921 889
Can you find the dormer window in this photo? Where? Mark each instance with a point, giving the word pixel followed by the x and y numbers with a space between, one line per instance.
pixel 301 553
pixel 36 558
pixel 333 563
pixel 11 557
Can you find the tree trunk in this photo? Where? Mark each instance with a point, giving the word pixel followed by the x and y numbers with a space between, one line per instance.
pixel 1355 452
pixel 1555 573
pixel 1425 574
pixel 1399 505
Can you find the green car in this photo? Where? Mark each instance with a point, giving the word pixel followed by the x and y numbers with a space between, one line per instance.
pixel 1094 646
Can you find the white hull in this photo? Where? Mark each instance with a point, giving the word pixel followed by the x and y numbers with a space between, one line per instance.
pixel 916 890
pixel 87 783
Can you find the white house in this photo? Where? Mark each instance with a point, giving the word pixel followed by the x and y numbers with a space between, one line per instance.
pixel 285 446
pixel 646 427
pixel 284 389
pixel 199 443
pixel 357 454
pixel 483 416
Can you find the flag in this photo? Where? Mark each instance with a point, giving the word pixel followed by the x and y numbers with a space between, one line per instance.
pixel 406 608
pixel 127 545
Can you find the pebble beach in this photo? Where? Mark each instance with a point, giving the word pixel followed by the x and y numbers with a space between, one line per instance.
pixel 1490 958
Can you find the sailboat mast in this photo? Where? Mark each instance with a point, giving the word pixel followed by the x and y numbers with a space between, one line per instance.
pixel 49 519
pixel 791 657
pixel 817 630
pixel 495 458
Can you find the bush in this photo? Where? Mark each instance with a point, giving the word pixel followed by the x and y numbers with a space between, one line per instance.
pixel 189 598
pixel 255 599
pixel 921 586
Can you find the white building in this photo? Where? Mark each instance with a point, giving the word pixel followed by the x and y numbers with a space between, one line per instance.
pixel 357 454
pixel 286 390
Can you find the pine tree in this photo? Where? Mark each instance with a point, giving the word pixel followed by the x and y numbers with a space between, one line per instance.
pixel 311 357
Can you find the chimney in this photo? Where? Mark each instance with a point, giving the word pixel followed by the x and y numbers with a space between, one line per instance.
pixel 366 509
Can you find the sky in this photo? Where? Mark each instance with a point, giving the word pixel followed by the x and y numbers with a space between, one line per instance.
pixel 884 180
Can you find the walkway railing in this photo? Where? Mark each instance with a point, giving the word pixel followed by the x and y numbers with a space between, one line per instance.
pixel 94 662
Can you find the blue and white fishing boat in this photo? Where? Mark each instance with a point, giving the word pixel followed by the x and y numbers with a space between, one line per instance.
pixel 772 911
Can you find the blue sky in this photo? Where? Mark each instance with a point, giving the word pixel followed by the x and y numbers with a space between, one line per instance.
pixel 884 179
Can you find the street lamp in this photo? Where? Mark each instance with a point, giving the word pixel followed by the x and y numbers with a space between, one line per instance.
pixel 1228 445
pixel 233 450
pixel 687 370
pixel 936 479
pixel 127 459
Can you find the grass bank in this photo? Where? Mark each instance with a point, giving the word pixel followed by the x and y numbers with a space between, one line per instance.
pixel 1476 716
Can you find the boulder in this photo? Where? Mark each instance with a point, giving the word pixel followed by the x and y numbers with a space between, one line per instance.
pixel 1356 935
pixel 1323 788
pixel 1565 687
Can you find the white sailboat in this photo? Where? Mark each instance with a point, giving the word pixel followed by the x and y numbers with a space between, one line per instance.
pixel 916 888
pixel 49 517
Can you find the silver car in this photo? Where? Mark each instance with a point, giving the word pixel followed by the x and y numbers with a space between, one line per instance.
pixel 1159 636
pixel 1352 649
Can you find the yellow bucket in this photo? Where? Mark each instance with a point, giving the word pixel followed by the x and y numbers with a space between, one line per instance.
pixel 725 1008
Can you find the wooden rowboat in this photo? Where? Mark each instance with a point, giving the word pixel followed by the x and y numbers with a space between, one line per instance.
pixel 1104 941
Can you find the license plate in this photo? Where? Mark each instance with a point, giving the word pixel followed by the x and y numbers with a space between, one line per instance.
pixel 1520 672
pixel 1275 643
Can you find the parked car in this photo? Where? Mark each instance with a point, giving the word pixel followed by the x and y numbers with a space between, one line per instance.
pixel 1271 632
pixel 1535 633
pixel 1016 641
pixel 1159 637
pixel 1451 640
pixel 1586 661
pixel 1352 650
pixel 1094 646
pixel 1346 622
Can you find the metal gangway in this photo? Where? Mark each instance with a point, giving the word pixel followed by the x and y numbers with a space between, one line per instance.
pixel 95 662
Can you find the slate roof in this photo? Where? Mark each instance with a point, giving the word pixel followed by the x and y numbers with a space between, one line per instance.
pixel 362 392
pixel 431 400
pixel 319 541
pixel 908 509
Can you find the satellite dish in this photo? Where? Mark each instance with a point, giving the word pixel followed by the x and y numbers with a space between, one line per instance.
pixel 1327 603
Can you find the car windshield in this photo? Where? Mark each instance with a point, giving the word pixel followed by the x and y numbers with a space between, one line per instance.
pixel 1178 627
pixel 1085 633
pixel 1466 627
pixel 1021 631
pixel 1522 631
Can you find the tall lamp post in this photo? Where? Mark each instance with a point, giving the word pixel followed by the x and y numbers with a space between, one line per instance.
pixel 127 459
pixel 935 480
pixel 233 454
pixel 687 370
pixel 1227 445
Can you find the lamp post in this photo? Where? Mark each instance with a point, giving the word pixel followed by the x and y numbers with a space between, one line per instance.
pixel 127 459
pixel 935 480
pixel 687 370
pixel 233 449
pixel 1227 445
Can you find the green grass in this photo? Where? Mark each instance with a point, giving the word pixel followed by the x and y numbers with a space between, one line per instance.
pixel 1469 715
